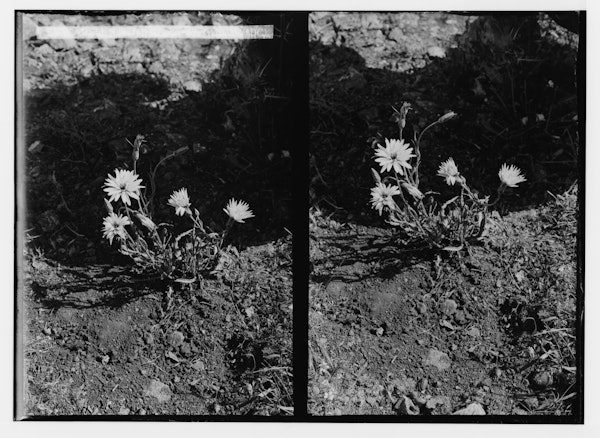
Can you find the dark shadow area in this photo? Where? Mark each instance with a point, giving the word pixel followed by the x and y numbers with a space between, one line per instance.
pixel 354 252
pixel 101 286
pixel 236 126
pixel 513 88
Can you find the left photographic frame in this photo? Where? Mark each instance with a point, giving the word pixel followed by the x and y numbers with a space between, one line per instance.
pixel 153 195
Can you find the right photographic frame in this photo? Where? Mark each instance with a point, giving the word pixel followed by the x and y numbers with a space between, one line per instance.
pixel 447 157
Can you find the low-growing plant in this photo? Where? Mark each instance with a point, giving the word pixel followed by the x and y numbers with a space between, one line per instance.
pixel 418 215
pixel 153 246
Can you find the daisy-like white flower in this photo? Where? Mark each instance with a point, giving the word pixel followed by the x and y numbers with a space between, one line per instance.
pixel 239 211
pixel 382 196
pixel 394 155
pixel 114 226
pixel 124 185
pixel 449 171
pixel 511 176
pixel 180 201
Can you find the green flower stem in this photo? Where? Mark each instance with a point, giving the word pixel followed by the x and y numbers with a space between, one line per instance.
pixel 501 188
pixel 411 211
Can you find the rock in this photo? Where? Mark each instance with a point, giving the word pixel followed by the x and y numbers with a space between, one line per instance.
pixel 472 409
pixel 532 402
pixel 109 42
pixel 63 44
pixel 541 380
pixel 404 385
pixel 496 372
pixel 29 28
pixel 175 339
pixel 335 287
pixel 422 308
pixel 419 400
pixel 185 349
pixel 198 365
pixel 159 391
pixel 439 403
pixel 436 52
pixel 371 21
pixel 47 331
pixel 473 332
pixel 448 307
pixel 124 411
pixel 156 67
pixel 105 359
pixel 437 359
pixel 149 338
pixel 345 21
pixel 396 35
pixel 195 86
pixel 405 406
pixel 181 20
pixel 423 384
pixel 459 317
pixel 132 53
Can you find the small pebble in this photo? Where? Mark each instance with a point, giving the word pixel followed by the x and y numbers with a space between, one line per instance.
pixel 176 339
pixel 532 402
pixel 418 399
pixel 542 380
pixel 448 307
pixel 405 406
pixel 496 372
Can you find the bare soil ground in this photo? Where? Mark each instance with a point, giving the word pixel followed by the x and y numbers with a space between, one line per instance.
pixel 409 331
pixel 100 339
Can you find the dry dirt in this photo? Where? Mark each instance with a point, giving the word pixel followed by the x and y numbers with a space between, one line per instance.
pixel 408 331
pixel 100 339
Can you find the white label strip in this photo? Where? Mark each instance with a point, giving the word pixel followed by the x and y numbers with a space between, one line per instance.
pixel 254 32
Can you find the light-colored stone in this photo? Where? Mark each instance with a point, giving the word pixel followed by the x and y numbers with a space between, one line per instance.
pixel 437 359
pixel 396 34
pixel 448 307
pixel 193 86
pixel 473 332
pixel 159 391
pixel 176 339
pixel 436 52
pixel 405 406
pixel 472 409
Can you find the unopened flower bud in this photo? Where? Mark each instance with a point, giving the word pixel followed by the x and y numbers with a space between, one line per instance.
pixel 376 176
pixel 449 115
pixel 146 221
pixel 412 190
pixel 109 206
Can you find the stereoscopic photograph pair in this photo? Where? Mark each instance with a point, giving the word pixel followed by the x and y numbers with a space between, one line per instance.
pixel 300 216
